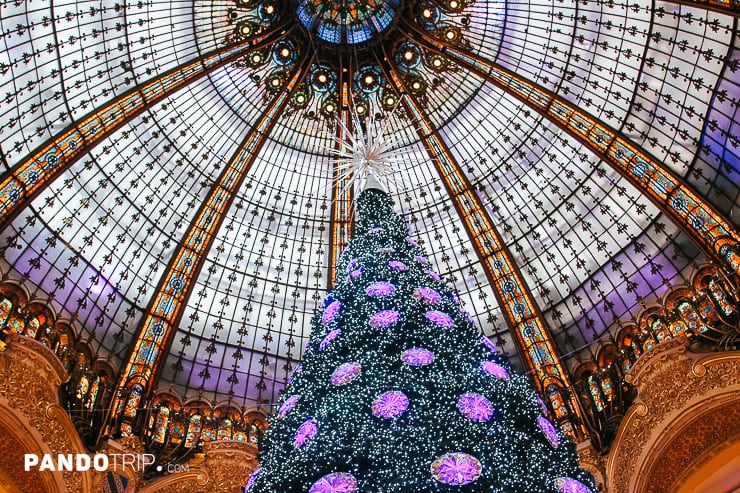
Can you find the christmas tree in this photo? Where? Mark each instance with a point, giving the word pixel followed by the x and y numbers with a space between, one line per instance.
pixel 399 392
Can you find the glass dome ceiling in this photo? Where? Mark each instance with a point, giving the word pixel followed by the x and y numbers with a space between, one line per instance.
pixel 189 226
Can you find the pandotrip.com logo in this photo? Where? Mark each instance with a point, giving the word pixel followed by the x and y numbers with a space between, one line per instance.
pixel 85 462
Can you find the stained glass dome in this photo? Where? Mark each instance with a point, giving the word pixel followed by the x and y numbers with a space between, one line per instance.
pixel 170 192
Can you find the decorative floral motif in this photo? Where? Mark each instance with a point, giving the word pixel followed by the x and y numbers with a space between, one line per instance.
pixel 456 469
pixel 417 356
pixel 422 259
pixel 487 342
pixel 475 406
pixel 390 404
pixel 440 318
pixel 433 275
pixel 333 334
pixel 548 430
pixel 288 405
pixel 252 480
pixel 331 311
pixel 380 289
pixel 427 295
pixel 398 265
pixel 495 369
pixel 345 373
pixel 336 482
pixel 307 431
pixel 570 485
pixel 384 318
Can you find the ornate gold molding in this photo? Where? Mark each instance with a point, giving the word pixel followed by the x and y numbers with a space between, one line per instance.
pixel 677 389
pixel 30 376
pixel 227 466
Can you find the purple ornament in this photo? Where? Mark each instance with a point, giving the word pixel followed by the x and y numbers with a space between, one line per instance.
pixel 380 289
pixel 433 275
pixel 331 311
pixel 427 295
pixel 355 274
pixel 475 406
pixel 398 265
pixel 468 316
pixel 390 404
pixel 422 259
pixel 440 318
pixel 455 299
pixel 570 485
pixel 545 411
pixel 377 230
pixel 252 479
pixel 345 373
pixel 549 431
pixel 417 356
pixel 456 468
pixel 351 265
pixel 411 241
pixel 297 370
pixel 487 342
pixel 384 318
pixel 388 250
pixel 288 405
pixel 495 369
pixel 327 300
pixel 305 432
pixel 336 482
pixel 333 334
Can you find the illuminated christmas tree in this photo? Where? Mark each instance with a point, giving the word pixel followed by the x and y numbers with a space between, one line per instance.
pixel 398 391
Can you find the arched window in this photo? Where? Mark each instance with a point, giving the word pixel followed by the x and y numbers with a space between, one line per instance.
pixel 224 429
pixel 607 387
pixel 691 317
pixel 6 307
pixel 93 394
pixel 720 298
pixel 659 329
pixel 193 435
pixel 161 423
pixel 595 390
pixel 134 398
pixel 557 402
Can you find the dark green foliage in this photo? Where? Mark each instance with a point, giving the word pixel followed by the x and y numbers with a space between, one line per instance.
pixel 395 455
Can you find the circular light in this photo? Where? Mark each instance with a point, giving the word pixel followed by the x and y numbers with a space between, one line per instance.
pixel 246 30
pixel 270 9
pixel 300 98
pixel 453 4
pixel 427 13
pixel 285 52
pixel 416 85
pixel 275 82
pixel 322 78
pixel 360 109
pixel 408 55
pixel 450 34
pixel 256 58
pixel 330 108
pixel 437 62
pixel 390 101
pixel 369 80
